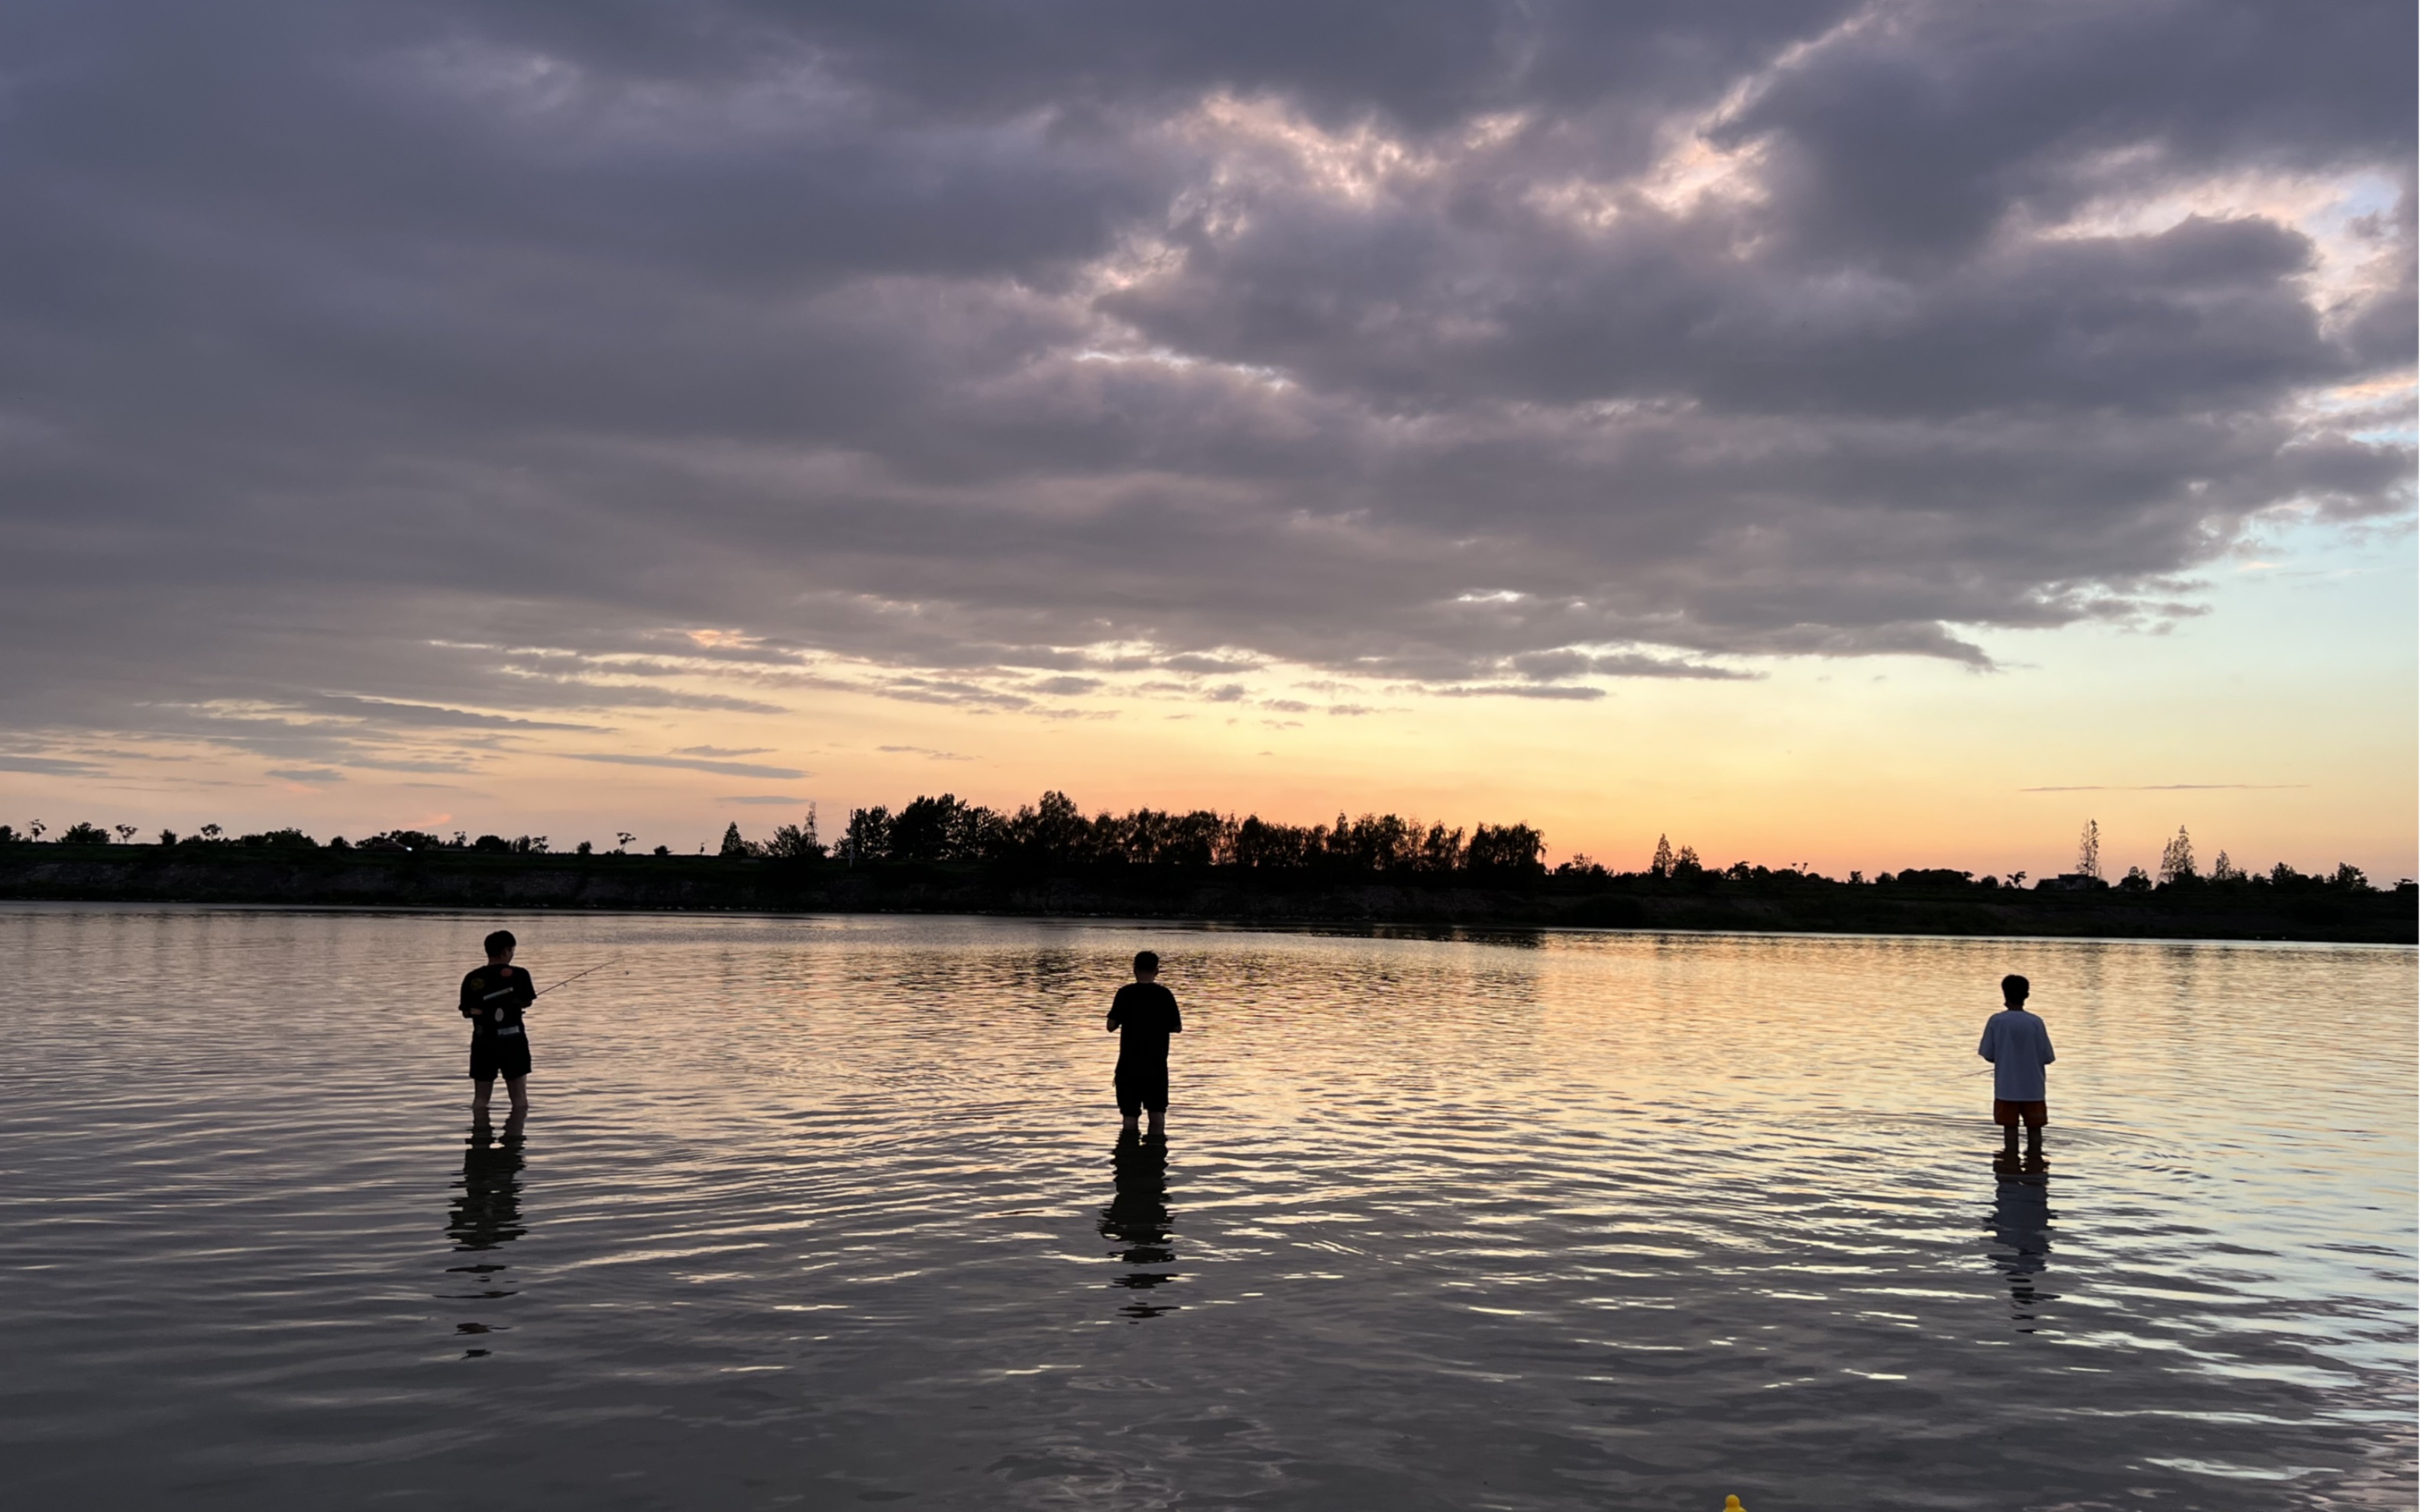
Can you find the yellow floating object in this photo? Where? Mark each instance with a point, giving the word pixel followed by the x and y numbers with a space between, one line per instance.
pixel 1732 1503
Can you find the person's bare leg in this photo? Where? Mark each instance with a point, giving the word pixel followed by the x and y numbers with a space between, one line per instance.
pixel 1156 1114
pixel 2008 1141
pixel 480 1092
pixel 2033 1138
pixel 518 1088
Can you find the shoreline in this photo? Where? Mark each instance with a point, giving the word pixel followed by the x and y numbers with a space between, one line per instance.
pixel 456 880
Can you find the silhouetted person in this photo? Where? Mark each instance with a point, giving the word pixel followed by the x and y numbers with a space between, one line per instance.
pixel 1143 1015
pixel 2017 1045
pixel 492 999
pixel 1138 1219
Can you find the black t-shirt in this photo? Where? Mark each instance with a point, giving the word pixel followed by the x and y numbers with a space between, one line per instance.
pixel 1145 1014
pixel 494 998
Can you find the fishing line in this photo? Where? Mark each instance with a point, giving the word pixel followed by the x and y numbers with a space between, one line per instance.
pixel 576 976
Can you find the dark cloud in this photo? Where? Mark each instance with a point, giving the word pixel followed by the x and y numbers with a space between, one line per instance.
pixel 1520 690
pixel 691 764
pixel 365 368
pixel 49 766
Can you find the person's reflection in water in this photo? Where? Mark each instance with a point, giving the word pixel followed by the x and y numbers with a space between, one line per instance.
pixel 487 1214
pixel 1138 1220
pixel 2021 1218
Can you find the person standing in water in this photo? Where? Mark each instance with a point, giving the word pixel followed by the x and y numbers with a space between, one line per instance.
pixel 1142 1015
pixel 2017 1045
pixel 492 999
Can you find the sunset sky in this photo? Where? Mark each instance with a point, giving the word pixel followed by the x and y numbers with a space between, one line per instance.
pixel 1868 436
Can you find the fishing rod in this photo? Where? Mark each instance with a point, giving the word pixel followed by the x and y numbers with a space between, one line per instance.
pixel 576 976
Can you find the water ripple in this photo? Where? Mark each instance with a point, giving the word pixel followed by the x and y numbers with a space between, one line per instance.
pixel 834 1211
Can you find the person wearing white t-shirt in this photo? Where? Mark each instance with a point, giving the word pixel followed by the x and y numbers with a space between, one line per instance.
pixel 2017 1045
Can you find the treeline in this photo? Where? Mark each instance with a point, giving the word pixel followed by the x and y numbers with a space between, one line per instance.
pixel 211 835
pixel 1054 834
pixel 1053 831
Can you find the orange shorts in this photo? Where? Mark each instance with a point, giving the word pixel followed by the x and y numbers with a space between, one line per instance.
pixel 2006 1113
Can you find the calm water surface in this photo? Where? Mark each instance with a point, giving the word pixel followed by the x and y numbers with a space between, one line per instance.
pixel 833 1211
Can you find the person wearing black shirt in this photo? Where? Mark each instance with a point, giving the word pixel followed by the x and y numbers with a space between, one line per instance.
pixel 492 999
pixel 1142 1015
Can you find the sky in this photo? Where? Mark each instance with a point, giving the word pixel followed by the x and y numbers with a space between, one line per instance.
pixel 1858 435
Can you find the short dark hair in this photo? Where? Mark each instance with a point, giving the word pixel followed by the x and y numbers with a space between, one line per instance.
pixel 2013 985
pixel 501 941
pixel 1146 961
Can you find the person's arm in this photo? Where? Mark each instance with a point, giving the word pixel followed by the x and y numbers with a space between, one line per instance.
pixel 1989 1050
pixel 528 985
pixel 471 1003
pixel 1117 1011
pixel 1175 1016
pixel 2047 1054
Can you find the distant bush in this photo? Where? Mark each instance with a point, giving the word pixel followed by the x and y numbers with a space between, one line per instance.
pixel 85 834
pixel 281 839
pixel 404 840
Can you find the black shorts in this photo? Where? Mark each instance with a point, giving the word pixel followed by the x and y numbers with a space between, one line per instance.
pixel 506 1056
pixel 1142 1087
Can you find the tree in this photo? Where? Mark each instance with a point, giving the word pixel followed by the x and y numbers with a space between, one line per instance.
pixel 2136 880
pixel 2177 860
pixel 1505 848
pixel 931 829
pixel 585 849
pixel 868 835
pixel 622 839
pixel 209 832
pixel 732 844
pixel 2223 869
pixel 2087 851
pixel 167 837
pixel 1662 863
pixel 125 834
pixel 85 834
pixel 1054 829
pixel 796 842
pixel 1441 850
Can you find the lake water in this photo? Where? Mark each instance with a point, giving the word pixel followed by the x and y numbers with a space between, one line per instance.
pixel 833 1211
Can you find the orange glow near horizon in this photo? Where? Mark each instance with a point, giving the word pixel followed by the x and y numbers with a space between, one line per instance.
pixel 1868 764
